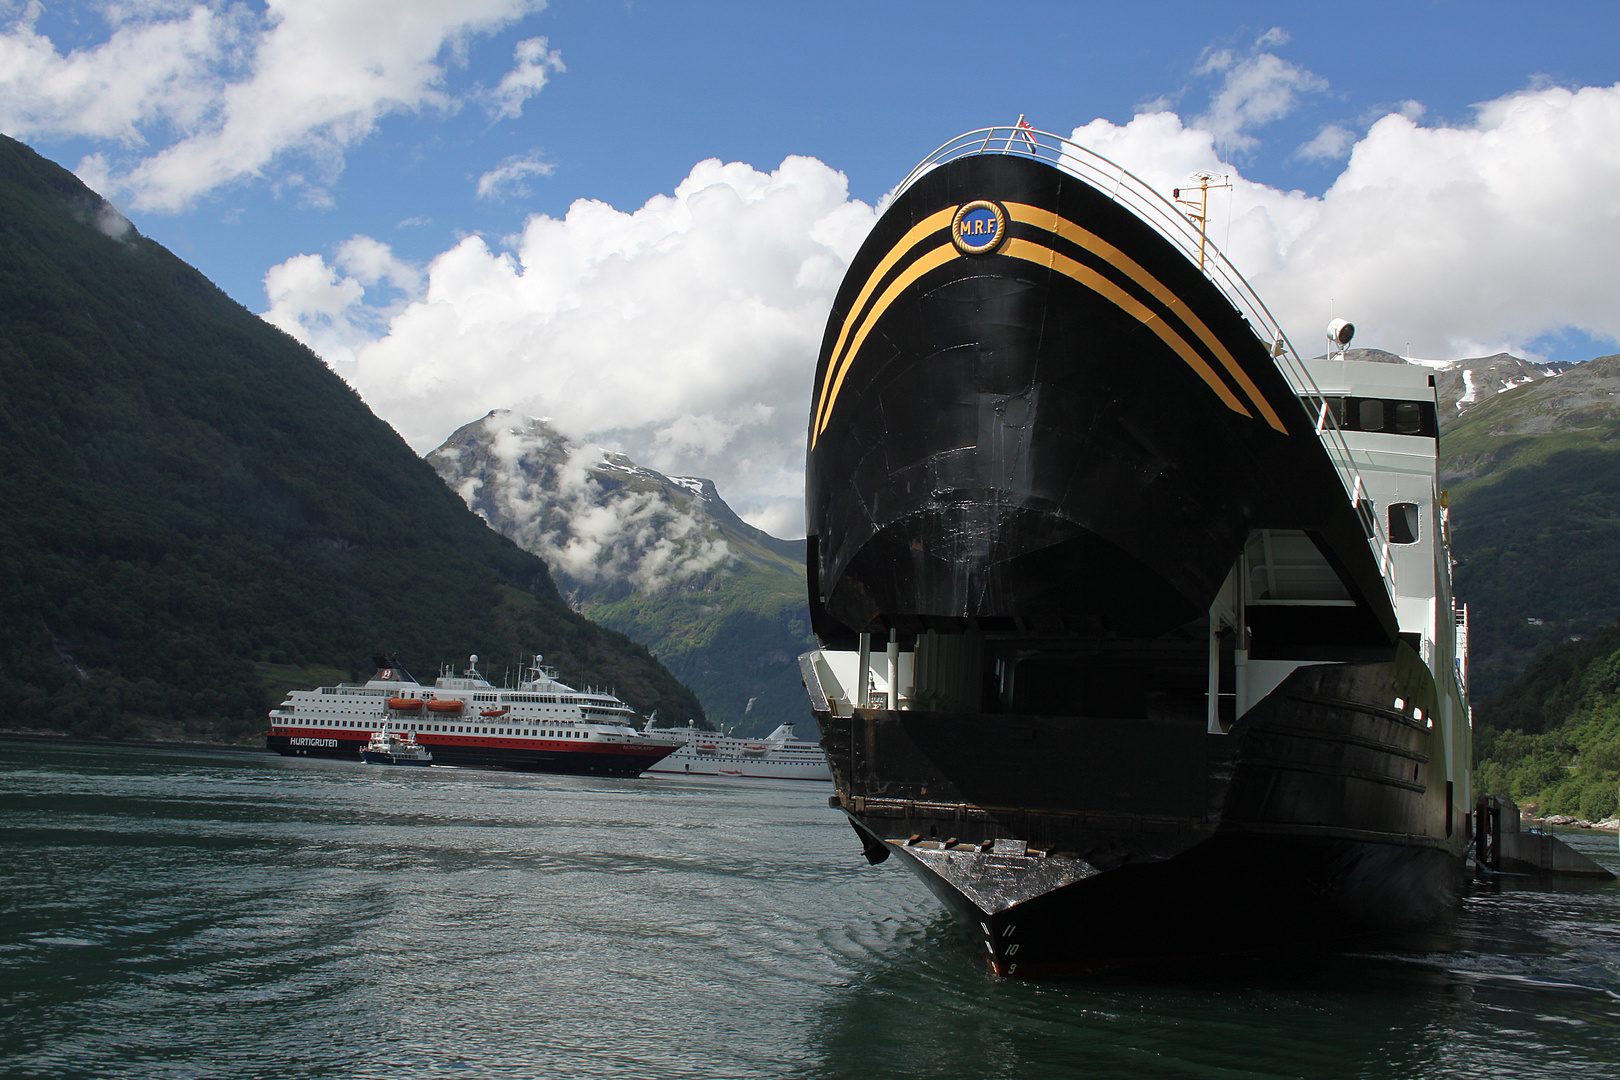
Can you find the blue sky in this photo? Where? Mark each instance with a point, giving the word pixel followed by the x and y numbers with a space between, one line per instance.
pixel 245 151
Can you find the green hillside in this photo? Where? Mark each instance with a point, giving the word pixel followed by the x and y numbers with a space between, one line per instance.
pixel 195 512
pixel 1534 482
pixel 1551 739
pixel 734 638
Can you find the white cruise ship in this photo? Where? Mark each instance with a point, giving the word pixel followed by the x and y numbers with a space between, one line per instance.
pixel 777 756
pixel 542 725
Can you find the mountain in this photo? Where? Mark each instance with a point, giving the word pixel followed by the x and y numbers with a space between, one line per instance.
pixel 196 513
pixel 1533 476
pixel 661 558
pixel 1462 384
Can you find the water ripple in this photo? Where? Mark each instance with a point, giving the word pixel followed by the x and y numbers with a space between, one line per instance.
pixel 168 913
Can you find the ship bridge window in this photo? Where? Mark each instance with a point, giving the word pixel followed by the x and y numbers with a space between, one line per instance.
pixel 1376 414
pixel 1403 523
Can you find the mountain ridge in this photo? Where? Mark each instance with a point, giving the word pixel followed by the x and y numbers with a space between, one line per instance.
pixel 663 559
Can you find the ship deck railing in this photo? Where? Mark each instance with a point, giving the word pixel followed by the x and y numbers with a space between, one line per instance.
pixel 1161 215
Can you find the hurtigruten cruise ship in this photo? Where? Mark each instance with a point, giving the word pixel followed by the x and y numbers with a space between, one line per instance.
pixel 542 725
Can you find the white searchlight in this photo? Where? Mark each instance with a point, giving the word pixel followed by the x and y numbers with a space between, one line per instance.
pixel 1339 333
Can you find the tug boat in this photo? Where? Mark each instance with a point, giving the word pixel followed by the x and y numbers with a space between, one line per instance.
pixel 541 725
pixel 1136 631
pixel 386 748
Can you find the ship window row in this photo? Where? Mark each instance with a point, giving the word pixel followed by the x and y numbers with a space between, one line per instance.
pixel 463 729
pixel 368 724
pixel 1377 414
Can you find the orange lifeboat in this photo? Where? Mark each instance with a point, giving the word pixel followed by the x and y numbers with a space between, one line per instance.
pixel 404 704
pixel 491 714
pixel 444 705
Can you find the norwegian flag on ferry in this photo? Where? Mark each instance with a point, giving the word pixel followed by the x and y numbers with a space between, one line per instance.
pixel 1025 132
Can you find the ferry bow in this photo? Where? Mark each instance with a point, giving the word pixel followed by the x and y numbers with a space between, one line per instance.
pixel 1136 630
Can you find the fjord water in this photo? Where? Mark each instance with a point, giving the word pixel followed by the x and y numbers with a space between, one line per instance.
pixel 178 913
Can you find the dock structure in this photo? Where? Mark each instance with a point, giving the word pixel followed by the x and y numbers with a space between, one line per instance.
pixel 1502 848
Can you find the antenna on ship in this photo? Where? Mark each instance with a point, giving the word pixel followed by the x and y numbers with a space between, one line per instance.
pixel 1198 209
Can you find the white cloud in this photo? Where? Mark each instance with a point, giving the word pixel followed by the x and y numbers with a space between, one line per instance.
pixel 535 65
pixel 111 222
pixel 196 98
pixel 1461 240
pixel 572 506
pixel 1330 143
pixel 163 71
pixel 1256 89
pixel 310 301
pixel 637 536
pixel 685 332
pixel 508 179
pixel 373 263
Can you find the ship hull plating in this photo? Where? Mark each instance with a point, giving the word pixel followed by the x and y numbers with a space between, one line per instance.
pixel 569 762
pixel 1318 814
pixel 1228 893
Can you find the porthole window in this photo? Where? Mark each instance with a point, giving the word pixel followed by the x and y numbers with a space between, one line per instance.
pixel 1403 523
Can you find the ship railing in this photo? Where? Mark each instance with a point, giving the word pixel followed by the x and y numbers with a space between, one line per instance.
pixel 1161 214
pixel 1459 615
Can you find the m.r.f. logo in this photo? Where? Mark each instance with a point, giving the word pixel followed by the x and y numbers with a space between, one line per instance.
pixel 979 227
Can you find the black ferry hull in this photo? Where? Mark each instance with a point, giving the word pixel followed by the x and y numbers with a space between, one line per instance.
pixel 1040 454
pixel 1229 894
pixel 1317 815
pixel 1044 432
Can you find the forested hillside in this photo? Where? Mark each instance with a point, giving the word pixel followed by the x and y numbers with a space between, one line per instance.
pixel 1534 481
pixel 195 511
pixel 1551 739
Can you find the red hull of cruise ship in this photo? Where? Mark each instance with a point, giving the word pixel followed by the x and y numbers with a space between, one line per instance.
pixel 483 752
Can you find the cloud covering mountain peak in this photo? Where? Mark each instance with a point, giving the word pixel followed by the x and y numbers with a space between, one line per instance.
pixel 596 517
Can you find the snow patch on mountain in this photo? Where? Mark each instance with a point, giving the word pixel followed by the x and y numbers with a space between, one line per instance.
pixel 1472 394
pixel 690 483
